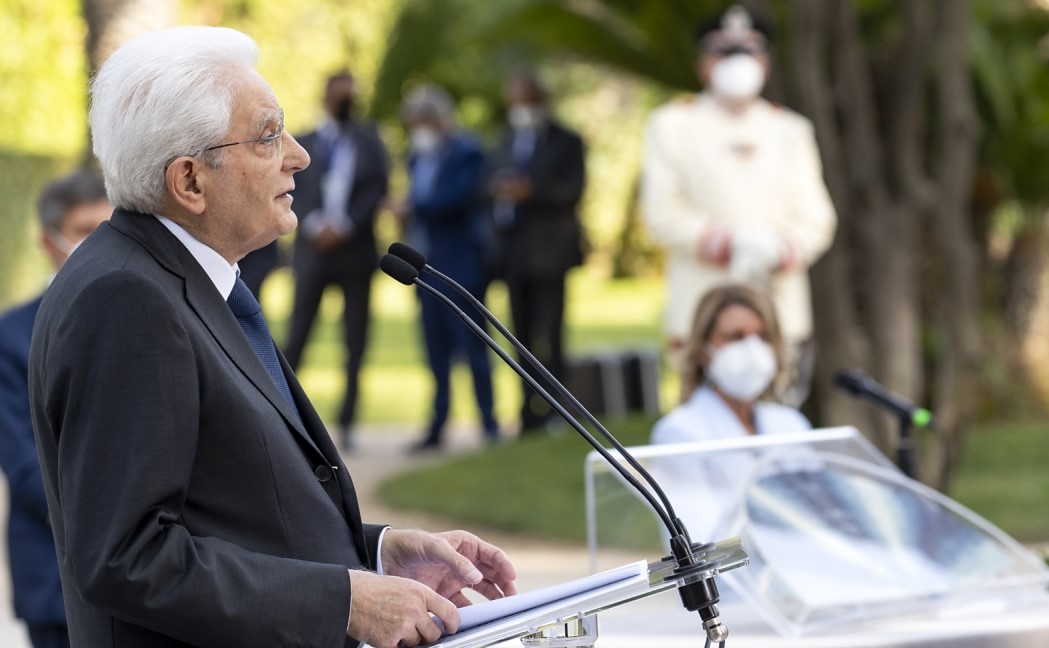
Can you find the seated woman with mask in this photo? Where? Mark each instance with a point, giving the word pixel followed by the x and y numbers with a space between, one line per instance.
pixel 732 359
pixel 728 376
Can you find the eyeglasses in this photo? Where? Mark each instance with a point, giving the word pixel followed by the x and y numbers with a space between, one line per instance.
pixel 269 139
pixel 271 142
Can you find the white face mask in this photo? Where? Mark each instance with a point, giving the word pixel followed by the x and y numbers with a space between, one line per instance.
pixel 424 139
pixel 62 243
pixel 523 117
pixel 737 77
pixel 743 369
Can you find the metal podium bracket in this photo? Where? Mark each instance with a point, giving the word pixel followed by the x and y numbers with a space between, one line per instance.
pixel 580 630
pixel 572 622
pixel 573 633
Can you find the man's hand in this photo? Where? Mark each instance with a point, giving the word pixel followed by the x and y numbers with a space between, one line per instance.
pixel 392 612
pixel 448 562
pixel 515 188
pixel 328 239
pixel 756 255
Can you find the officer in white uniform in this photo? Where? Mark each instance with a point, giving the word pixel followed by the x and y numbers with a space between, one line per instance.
pixel 732 185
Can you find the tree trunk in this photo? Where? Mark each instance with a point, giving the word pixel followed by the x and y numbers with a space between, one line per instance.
pixel 885 246
pixel 841 341
pixel 957 310
pixel 869 288
pixel 1026 288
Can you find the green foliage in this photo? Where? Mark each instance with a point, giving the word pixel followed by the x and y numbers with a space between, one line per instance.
pixel 439 42
pixel 1011 79
pixel 22 268
pixel 42 77
pixel 301 44
pixel 653 40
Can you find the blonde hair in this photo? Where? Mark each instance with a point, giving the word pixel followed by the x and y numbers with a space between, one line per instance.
pixel 706 316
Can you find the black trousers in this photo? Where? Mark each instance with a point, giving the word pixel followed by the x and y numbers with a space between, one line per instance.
pixel 315 271
pixel 52 635
pixel 537 307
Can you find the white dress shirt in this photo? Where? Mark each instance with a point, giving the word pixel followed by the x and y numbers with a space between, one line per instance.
pixel 221 273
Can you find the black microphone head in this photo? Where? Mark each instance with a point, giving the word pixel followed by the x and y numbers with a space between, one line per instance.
pixel 414 257
pixel 853 381
pixel 399 269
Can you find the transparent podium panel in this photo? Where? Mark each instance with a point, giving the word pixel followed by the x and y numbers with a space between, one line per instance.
pixel 836 535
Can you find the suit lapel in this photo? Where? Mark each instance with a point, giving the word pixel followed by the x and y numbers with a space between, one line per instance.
pixel 209 306
pixel 206 301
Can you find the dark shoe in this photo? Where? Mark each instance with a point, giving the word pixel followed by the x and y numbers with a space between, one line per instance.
pixel 425 446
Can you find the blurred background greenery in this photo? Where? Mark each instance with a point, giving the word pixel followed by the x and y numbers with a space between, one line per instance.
pixel 609 62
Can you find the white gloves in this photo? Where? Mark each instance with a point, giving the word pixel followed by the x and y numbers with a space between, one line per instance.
pixel 756 254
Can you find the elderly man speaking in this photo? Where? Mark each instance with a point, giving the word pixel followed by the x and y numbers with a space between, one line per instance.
pixel 195 496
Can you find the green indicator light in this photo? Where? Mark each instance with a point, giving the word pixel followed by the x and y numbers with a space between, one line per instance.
pixel 921 417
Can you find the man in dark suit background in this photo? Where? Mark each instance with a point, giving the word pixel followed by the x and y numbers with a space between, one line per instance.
pixel 69 209
pixel 195 495
pixel 536 184
pixel 258 265
pixel 337 198
pixel 448 224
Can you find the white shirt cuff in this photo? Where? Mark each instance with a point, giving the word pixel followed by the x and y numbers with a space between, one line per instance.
pixel 378 552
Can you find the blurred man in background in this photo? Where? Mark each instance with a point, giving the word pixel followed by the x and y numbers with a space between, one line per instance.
pixel 446 221
pixel 732 185
pixel 337 198
pixel 536 185
pixel 69 209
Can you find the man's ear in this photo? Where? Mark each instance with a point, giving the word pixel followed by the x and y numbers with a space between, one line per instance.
pixel 185 183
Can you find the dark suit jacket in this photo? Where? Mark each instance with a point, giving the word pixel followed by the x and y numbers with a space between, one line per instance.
pixel 370 183
pixel 189 507
pixel 30 546
pixel 546 238
pixel 450 225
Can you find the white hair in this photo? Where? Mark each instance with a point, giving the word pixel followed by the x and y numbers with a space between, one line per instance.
pixel 159 96
pixel 429 101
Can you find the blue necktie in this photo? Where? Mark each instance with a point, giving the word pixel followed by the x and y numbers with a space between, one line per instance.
pixel 249 315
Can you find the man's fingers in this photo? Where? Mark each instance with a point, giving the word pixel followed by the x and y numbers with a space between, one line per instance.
pixel 489 590
pixel 444 609
pixel 459 599
pixel 428 630
pixel 460 564
pixel 509 587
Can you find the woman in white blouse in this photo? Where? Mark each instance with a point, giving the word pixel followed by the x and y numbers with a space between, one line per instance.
pixel 732 359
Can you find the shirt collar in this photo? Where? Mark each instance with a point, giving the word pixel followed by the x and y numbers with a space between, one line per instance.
pixel 221 273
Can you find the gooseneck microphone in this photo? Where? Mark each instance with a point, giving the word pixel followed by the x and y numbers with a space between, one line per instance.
pixel 698 591
pixel 861 385
pixel 908 414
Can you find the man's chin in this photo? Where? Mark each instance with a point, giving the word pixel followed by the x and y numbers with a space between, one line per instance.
pixel 288 222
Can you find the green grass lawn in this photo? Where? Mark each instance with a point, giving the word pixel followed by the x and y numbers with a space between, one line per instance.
pixel 1005 477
